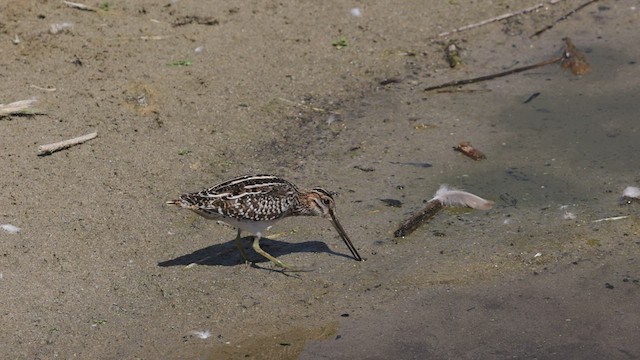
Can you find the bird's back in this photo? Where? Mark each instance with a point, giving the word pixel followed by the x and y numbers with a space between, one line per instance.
pixel 254 197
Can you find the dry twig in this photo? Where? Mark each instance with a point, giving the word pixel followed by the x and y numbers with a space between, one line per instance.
pixel 493 76
pixel 79 6
pixel 571 59
pixel 613 218
pixel 51 148
pixel 426 213
pixel 42 88
pixel 445 196
pixel 155 37
pixel 497 18
pixel 562 18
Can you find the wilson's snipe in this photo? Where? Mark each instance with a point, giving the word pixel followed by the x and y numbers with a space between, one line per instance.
pixel 254 203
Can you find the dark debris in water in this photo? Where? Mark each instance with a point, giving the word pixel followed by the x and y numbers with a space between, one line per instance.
pixel 518 174
pixel 530 98
pixel 392 202
pixel 466 148
pixel 365 169
pixel 389 81
pixel 509 199
pixel 416 164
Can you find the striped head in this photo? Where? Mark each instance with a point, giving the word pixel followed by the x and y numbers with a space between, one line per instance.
pixel 317 202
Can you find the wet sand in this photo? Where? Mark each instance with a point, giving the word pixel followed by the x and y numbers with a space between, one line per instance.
pixel 102 268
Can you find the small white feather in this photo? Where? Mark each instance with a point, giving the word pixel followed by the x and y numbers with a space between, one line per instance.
pixel 453 197
pixel 10 228
pixel 631 192
pixel 201 334
pixel 566 213
pixel 57 28
pixel 17 106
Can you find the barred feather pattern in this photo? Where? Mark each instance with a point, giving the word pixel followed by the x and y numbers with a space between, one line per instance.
pixel 255 197
pixel 255 202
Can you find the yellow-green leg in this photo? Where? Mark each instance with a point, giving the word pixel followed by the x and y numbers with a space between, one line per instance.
pixel 258 249
pixel 239 245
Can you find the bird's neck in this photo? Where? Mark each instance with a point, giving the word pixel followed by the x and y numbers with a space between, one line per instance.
pixel 303 205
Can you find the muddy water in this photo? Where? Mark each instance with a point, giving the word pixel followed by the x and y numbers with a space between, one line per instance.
pixel 539 273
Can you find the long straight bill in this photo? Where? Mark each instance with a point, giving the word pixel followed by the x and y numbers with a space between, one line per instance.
pixel 344 237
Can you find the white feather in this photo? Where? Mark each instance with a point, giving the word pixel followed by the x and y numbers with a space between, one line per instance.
pixel 453 197
pixel 56 28
pixel 10 228
pixel 201 334
pixel 17 106
pixel 631 192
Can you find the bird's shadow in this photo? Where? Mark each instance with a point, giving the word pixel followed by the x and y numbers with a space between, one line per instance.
pixel 227 254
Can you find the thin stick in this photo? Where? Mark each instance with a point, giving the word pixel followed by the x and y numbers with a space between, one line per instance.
pixel 494 19
pixel 429 211
pixel 155 37
pixel 614 218
pixel 493 76
pixel 79 6
pixel 42 88
pixel 564 17
pixel 51 148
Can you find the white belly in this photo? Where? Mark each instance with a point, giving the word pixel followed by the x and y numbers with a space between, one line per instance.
pixel 254 227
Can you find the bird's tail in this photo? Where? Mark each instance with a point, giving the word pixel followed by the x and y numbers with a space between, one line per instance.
pixel 177 202
pixel 183 202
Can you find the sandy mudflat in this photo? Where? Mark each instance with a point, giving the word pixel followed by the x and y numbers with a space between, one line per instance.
pixel 185 94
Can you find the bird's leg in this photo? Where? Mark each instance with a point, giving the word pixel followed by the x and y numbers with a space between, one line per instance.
pixel 239 245
pixel 258 249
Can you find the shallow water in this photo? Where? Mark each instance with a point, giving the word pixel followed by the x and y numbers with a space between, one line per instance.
pixel 556 165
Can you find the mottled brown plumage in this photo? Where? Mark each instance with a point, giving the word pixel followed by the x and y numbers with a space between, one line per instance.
pixel 255 202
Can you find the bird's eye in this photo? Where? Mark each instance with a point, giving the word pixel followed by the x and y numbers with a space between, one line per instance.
pixel 326 201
